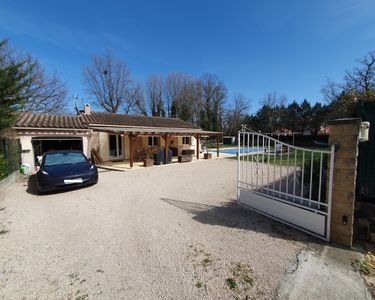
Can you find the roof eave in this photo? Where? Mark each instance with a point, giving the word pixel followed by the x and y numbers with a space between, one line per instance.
pixel 91 125
pixel 157 130
pixel 49 128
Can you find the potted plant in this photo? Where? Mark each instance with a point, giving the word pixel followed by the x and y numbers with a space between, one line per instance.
pixel 147 161
pixel 207 155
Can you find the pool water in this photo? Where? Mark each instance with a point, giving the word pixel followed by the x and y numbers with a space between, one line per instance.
pixel 244 150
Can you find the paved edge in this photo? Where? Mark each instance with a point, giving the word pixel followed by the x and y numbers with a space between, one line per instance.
pixel 323 272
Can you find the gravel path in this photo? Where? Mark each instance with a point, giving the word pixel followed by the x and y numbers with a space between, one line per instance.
pixel 167 232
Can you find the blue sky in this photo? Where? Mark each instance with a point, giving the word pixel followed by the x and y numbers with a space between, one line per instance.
pixel 255 47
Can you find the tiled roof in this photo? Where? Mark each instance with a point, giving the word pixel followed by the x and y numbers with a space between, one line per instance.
pixel 105 118
pixel 36 120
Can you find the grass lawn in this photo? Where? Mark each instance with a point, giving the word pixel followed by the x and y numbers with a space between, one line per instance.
pixel 211 146
pixel 295 158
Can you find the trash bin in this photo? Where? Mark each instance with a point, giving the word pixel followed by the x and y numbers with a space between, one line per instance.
pixel 159 158
pixel 25 169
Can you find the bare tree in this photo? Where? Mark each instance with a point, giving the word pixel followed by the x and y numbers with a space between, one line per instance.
pixel 361 79
pixel 109 81
pixel 198 96
pixel 358 85
pixel 39 92
pixel 269 118
pixel 214 94
pixel 331 90
pixel 47 93
pixel 137 103
pixel 174 85
pixel 273 100
pixel 183 93
pixel 235 114
pixel 189 96
pixel 154 92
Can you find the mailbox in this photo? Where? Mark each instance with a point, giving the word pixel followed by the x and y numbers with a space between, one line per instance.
pixel 363 131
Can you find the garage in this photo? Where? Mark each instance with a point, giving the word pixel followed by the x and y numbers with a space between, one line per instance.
pixel 44 144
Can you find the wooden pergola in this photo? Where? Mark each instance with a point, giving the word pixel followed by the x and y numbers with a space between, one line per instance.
pixel 165 133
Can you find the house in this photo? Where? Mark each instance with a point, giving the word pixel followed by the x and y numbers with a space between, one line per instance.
pixel 116 137
pixel 229 140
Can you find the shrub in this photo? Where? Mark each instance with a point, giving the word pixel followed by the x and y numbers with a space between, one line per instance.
pixel 315 177
pixel 3 167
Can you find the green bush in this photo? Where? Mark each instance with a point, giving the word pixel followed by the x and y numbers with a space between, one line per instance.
pixel 3 167
pixel 315 176
pixel 10 156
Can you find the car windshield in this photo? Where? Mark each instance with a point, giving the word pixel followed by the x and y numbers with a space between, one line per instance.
pixel 64 158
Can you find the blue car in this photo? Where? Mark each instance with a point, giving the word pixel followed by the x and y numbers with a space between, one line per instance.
pixel 64 170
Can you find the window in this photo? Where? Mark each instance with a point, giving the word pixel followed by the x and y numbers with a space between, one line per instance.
pixel 64 158
pixel 115 146
pixel 153 140
pixel 186 140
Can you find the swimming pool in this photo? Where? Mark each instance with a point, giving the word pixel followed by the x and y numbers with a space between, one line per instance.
pixel 244 150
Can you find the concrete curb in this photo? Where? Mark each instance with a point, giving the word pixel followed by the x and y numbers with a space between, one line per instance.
pixel 323 272
pixel 8 181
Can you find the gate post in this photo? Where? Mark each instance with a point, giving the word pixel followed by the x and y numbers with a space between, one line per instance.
pixel 344 133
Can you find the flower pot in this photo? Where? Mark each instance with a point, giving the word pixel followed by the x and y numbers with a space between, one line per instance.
pixel 148 162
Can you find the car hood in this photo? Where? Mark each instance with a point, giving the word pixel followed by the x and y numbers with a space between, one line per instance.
pixel 67 170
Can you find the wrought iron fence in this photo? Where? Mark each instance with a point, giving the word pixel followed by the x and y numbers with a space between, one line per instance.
pixel 10 156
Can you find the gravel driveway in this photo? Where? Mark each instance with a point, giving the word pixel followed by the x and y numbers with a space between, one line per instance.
pixel 167 232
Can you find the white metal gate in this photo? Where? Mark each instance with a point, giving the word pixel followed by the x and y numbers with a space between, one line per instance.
pixel 287 183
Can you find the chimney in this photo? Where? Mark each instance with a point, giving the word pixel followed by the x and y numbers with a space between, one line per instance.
pixel 86 109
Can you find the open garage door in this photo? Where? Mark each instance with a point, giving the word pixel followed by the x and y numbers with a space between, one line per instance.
pixel 44 144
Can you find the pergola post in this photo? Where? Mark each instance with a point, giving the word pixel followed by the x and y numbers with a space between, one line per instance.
pixel 166 148
pixel 197 138
pixel 132 139
pixel 217 146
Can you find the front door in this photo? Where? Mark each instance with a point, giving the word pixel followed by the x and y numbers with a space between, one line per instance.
pixel 116 146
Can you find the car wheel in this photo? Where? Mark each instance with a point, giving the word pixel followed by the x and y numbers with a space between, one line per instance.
pixel 40 189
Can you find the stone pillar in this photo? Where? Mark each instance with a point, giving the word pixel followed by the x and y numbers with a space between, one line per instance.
pixel 344 134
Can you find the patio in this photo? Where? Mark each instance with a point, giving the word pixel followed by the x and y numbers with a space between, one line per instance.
pixel 125 165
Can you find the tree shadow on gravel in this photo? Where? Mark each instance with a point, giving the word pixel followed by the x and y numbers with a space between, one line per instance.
pixel 232 215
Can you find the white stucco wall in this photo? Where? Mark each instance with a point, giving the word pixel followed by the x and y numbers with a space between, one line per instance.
pixel 85 146
pixel 104 146
pixel 27 151
pixel 193 145
pixel 127 147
